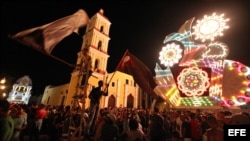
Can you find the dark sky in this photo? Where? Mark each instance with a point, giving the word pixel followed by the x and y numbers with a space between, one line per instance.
pixel 138 26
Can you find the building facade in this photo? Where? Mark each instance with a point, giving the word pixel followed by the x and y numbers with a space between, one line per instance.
pixel 123 91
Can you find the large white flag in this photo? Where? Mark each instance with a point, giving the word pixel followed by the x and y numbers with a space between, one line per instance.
pixel 46 37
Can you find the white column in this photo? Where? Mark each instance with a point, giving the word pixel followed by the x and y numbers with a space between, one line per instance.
pixel 125 95
pixel 118 92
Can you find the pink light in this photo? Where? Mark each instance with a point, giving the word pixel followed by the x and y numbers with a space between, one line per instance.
pixel 225 103
pixel 248 98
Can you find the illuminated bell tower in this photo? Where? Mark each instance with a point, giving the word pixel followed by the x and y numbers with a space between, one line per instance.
pixel 96 38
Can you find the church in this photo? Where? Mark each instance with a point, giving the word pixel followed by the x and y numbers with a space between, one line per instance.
pixel 123 91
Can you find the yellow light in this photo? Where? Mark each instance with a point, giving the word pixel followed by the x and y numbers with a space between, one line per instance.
pixel 2 81
pixel 240 74
pixel 245 82
pixel 2 87
pixel 242 91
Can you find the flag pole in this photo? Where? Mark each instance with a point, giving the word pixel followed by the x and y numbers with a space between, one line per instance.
pixel 62 61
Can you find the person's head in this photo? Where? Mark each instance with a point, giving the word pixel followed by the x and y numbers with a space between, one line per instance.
pixel 192 115
pixel 133 124
pixel 156 109
pixel 220 115
pixel 100 83
pixel 67 108
pixel 110 118
pixel 212 121
pixel 198 111
pixel 182 117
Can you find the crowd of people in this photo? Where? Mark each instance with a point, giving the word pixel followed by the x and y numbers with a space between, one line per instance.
pixel 113 124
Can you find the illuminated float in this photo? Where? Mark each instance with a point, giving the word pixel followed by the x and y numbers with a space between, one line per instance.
pixel 21 91
pixel 196 72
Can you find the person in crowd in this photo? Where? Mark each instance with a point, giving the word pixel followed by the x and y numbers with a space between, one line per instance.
pixel 215 133
pixel 204 124
pixel 6 121
pixel 220 118
pixel 178 122
pixel 134 133
pixel 124 122
pixel 40 116
pixel 227 117
pixel 20 122
pixel 59 122
pixel 94 97
pixel 167 125
pixel 147 117
pixel 198 114
pixel 156 128
pixel 138 119
pixel 186 128
pixel 175 136
pixel 108 130
pixel 85 65
pixel 196 131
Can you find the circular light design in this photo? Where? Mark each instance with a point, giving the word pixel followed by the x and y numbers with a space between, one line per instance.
pixel 243 69
pixel 241 99
pixel 170 54
pixel 210 27
pixel 234 64
pixel 193 81
pixel 230 102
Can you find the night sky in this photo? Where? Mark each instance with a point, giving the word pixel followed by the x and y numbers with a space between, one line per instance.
pixel 138 26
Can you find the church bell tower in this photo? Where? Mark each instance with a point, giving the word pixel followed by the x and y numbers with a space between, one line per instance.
pixel 96 39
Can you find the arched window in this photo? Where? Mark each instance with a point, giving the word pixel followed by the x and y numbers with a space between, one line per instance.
pixel 111 101
pixel 130 101
pixel 96 65
pixel 101 29
pixel 99 46
pixel 62 102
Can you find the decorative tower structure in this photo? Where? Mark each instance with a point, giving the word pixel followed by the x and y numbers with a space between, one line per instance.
pixel 21 91
pixel 96 38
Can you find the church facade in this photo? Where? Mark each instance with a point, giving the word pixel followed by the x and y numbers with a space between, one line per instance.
pixel 123 90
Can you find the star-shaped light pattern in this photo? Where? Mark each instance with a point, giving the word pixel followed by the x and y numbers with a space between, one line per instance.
pixel 210 27
pixel 193 81
pixel 170 54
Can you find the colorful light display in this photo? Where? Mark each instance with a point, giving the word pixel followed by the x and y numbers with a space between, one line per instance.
pixel 170 54
pixel 228 82
pixel 210 27
pixel 193 81
pixel 21 91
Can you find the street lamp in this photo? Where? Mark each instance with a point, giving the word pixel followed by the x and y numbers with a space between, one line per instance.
pixel 2 83
pixel 3 87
